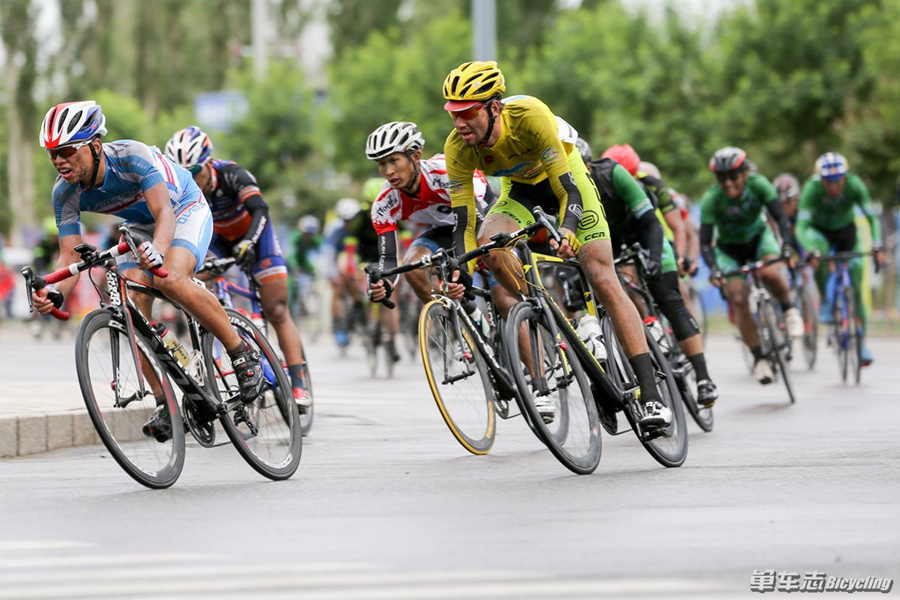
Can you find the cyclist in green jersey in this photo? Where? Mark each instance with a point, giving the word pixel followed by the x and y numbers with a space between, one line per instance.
pixel 825 221
pixel 632 218
pixel 735 209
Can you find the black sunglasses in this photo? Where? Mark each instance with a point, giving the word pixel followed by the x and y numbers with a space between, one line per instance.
pixel 732 175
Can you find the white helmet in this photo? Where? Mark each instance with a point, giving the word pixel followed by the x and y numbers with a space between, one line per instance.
pixel 650 169
pixel 347 208
pixel 308 224
pixel 72 123
pixel 396 136
pixel 189 147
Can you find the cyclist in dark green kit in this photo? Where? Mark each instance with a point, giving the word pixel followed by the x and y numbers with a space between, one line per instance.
pixel 735 209
pixel 825 221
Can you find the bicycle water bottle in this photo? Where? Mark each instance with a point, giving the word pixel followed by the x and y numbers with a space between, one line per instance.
pixel 258 322
pixel 481 321
pixel 656 330
pixel 589 330
pixel 172 343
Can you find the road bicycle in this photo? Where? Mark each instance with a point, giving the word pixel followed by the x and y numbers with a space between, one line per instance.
pixel 560 367
pixel 465 362
pixel 682 369
pixel 805 298
pixel 845 334
pixel 125 371
pixel 775 343
pixel 226 290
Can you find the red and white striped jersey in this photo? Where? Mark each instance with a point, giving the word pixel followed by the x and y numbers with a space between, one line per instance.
pixel 431 208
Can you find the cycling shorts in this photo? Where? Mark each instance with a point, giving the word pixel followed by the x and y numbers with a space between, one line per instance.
pixel 270 264
pixel 193 231
pixel 517 201
pixel 730 257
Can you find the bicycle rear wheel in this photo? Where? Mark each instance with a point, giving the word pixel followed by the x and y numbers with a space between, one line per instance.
pixel 669 448
pixel 686 380
pixel 458 377
pixel 265 432
pixel 810 325
pixel 854 346
pixel 573 436
pixel 111 385
pixel 309 412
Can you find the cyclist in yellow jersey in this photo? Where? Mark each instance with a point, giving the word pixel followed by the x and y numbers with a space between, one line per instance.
pixel 520 140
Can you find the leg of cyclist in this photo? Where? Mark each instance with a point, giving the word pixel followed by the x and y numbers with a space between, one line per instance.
pixel 775 278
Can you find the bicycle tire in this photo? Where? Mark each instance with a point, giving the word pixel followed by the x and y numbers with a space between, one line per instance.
pixel 773 351
pixel 274 450
pixel 811 326
pixel 464 400
pixel 699 312
pixel 309 413
pixel 854 347
pixel 687 383
pixel 574 438
pixel 151 463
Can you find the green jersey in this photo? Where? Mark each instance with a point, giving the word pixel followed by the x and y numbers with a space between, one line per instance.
pixel 740 220
pixel 831 213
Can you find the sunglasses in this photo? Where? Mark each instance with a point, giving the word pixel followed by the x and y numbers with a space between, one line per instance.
pixel 732 175
pixel 66 151
pixel 195 169
pixel 467 114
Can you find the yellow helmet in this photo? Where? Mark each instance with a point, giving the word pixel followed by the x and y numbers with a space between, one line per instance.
pixel 471 83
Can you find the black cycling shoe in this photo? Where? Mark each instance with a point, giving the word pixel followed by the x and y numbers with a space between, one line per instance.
pixel 160 425
pixel 707 394
pixel 249 374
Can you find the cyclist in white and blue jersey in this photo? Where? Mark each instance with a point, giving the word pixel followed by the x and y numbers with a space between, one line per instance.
pixel 164 207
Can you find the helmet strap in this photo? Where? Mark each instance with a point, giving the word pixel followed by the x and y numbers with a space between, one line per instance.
pixel 96 171
pixel 490 128
pixel 416 183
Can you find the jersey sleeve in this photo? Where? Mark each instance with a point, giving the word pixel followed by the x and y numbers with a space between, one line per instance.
pixel 143 166
pixel 242 181
pixel 630 192
pixel 385 209
pixel 460 170
pixel 708 208
pixel 67 209
pixel 808 200
pixel 864 201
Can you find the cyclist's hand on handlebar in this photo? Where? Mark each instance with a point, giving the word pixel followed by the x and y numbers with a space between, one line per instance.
pixel 380 290
pixel 150 257
pixel 717 278
pixel 245 254
pixel 880 255
pixel 654 267
pixel 46 299
pixel 569 246
pixel 455 287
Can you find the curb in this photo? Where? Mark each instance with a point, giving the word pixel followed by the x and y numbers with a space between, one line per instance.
pixel 33 434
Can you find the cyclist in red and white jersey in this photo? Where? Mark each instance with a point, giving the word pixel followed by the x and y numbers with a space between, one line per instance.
pixel 416 190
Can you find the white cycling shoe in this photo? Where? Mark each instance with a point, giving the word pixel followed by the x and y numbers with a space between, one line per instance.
pixel 655 414
pixel 762 370
pixel 545 406
pixel 794 322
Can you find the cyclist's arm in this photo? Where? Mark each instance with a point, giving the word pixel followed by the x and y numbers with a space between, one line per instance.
pixel 259 216
pixel 388 245
pixel 707 226
pixel 554 158
pixel 808 201
pixel 67 256
pixel 675 223
pixel 692 239
pixel 784 224
pixel 157 198
pixel 462 199
pixel 384 213
pixel 634 196
pixel 864 201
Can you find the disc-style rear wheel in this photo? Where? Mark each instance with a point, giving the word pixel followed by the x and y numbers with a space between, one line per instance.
pixel 458 377
pixel 265 432
pixel 552 374
pixel 111 385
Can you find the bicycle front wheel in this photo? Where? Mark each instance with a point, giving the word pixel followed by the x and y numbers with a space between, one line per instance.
pixel 265 432
pixel 776 347
pixel 669 448
pixel 810 325
pixel 854 345
pixel 686 379
pixel 458 377
pixel 119 399
pixel 553 374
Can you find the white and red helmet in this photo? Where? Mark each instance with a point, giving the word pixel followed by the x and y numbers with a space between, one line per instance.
pixel 189 147
pixel 72 123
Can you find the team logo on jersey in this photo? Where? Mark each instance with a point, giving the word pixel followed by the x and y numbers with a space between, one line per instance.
pixel 550 155
pixel 455 185
pixel 589 220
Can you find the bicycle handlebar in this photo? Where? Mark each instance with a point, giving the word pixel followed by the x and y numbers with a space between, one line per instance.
pixel 843 256
pixel 754 266
pixel 90 258
pixel 443 257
